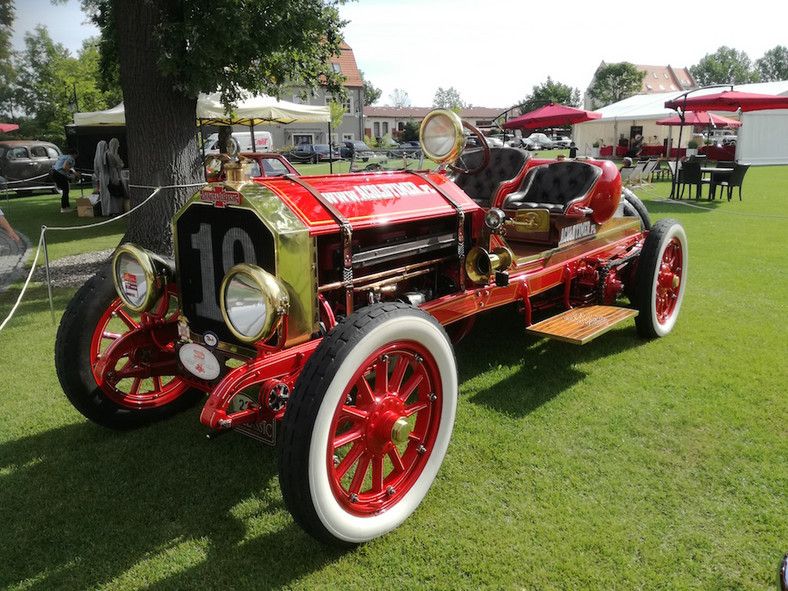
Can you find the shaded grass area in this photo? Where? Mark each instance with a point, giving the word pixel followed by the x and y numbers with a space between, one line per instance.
pixel 27 214
pixel 624 464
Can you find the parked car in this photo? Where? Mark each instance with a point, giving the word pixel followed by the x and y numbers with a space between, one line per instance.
pixel 25 164
pixel 539 141
pixel 253 165
pixel 356 149
pixel 561 141
pixel 319 314
pixel 411 149
pixel 313 153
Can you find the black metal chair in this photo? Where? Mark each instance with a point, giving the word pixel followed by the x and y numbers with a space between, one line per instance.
pixel 734 179
pixel 691 175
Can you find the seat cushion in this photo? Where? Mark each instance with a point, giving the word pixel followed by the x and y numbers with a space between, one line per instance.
pixel 554 186
pixel 504 165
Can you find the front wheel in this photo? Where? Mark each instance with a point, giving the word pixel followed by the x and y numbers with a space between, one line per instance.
pixel 368 425
pixel 141 384
pixel 661 278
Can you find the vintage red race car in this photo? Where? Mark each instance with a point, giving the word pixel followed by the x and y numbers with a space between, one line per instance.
pixel 318 313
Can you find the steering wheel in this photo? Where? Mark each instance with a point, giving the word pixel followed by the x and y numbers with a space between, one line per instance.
pixel 460 166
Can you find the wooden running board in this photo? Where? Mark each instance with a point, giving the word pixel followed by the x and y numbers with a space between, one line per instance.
pixel 581 325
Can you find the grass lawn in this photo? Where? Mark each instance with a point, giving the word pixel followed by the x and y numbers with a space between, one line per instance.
pixel 623 464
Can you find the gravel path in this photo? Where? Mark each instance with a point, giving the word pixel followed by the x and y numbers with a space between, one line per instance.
pixel 72 271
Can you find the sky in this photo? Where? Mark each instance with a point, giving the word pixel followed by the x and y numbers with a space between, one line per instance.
pixel 493 52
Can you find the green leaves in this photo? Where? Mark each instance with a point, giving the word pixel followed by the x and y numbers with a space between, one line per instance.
pixel 615 82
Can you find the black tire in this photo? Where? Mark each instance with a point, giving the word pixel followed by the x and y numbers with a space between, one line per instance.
pixel 634 207
pixel 73 361
pixel 410 416
pixel 661 278
pixel 314 159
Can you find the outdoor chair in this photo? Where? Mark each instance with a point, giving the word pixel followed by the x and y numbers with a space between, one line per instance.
pixel 691 175
pixel 734 179
pixel 626 173
pixel 648 169
pixel 636 177
pixel 661 170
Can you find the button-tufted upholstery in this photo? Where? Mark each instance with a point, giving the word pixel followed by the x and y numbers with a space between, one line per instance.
pixel 505 165
pixel 554 186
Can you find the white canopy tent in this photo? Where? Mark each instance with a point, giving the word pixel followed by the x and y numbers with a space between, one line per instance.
pixel 762 139
pixel 254 110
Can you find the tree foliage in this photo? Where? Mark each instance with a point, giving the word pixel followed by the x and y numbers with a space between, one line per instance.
pixel 448 99
pixel 50 85
pixel 410 131
pixel 615 82
pixel 724 66
pixel 7 71
pixel 550 92
pixel 773 66
pixel 399 98
pixel 371 92
pixel 170 51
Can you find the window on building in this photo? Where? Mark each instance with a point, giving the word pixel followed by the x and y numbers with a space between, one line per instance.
pixel 302 138
pixel 336 68
pixel 347 137
pixel 376 126
pixel 385 127
pixel 346 104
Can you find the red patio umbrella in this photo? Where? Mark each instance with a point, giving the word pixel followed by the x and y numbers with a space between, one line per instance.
pixel 551 115
pixel 701 118
pixel 6 127
pixel 729 100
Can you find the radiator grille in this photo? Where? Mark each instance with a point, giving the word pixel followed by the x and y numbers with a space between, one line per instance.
pixel 209 242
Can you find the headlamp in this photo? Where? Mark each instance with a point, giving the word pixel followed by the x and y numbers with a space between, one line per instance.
pixel 140 276
pixel 253 302
pixel 441 136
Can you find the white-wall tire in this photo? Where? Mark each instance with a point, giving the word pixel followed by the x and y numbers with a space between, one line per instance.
pixel 315 470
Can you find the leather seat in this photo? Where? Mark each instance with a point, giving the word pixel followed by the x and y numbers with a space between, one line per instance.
pixel 554 186
pixel 505 165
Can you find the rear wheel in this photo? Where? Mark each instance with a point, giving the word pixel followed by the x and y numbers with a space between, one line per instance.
pixel 661 278
pixel 368 425
pixel 140 385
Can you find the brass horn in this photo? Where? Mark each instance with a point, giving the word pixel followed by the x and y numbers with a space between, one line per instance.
pixel 480 264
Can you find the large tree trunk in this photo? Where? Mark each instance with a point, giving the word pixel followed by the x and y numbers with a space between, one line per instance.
pixel 160 125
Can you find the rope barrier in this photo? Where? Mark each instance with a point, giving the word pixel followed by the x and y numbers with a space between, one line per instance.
pixel 42 244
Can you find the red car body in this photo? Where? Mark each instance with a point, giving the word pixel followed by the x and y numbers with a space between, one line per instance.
pixel 324 306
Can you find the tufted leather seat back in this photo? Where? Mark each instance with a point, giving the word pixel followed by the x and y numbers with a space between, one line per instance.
pixel 505 165
pixel 554 186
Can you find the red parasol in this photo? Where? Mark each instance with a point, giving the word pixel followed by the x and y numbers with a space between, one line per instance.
pixel 6 127
pixel 551 115
pixel 729 100
pixel 701 118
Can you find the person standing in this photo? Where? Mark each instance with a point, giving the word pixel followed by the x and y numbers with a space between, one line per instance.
pixel 7 227
pixel 63 173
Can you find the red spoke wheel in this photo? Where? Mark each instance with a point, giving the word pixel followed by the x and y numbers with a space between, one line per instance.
pixel 141 384
pixel 661 278
pixel 368 425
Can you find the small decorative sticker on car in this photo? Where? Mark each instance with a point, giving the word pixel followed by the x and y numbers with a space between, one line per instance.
pixel 576 232
pixel 220 196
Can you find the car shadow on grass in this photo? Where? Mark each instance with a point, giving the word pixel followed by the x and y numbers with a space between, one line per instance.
pixel 532 370
pixel 160 507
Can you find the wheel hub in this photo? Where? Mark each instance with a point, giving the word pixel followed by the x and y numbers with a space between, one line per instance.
pixel 387 426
